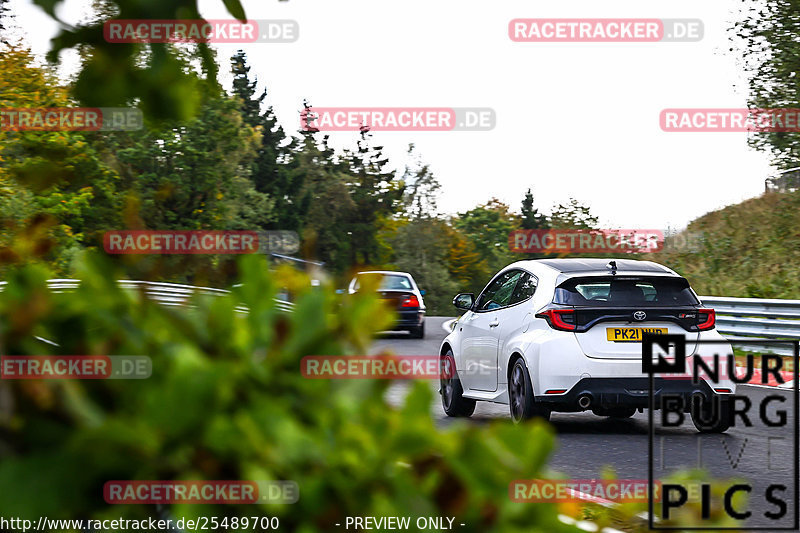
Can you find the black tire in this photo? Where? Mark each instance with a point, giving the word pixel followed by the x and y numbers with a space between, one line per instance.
pixel 713 416
pixel 453 402
pixel 521 403
pixel 615 412
pixel 418 332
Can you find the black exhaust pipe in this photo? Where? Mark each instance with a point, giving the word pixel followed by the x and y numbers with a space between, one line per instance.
pixel 584 400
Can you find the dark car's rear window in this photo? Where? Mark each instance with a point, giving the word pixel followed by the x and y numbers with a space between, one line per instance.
pixel 625 292
pixel 385 282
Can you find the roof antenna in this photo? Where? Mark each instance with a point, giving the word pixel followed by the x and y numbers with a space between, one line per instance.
pixel 613 266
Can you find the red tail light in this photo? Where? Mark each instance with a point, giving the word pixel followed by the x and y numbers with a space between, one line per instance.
pixel 706 318
pixel 562 319
pixel 410 301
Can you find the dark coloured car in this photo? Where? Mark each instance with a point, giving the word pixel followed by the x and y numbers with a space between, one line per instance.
pixel 402 293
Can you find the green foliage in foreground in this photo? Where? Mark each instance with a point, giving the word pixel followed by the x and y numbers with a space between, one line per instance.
pixel 226 400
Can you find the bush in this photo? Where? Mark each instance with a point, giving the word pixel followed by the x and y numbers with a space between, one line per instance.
pixel 226 400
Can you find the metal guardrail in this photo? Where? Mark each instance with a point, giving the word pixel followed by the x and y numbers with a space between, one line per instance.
pixel 737 318
pixel 169 294
pixel 755 318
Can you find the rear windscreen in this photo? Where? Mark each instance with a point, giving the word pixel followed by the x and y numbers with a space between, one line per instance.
pixel 385 282
pixel 625 292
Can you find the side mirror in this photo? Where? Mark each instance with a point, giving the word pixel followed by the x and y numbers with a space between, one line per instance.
pixel 464 301
pixel 422 292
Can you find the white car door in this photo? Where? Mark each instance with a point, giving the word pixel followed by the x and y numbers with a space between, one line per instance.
pixel 480 333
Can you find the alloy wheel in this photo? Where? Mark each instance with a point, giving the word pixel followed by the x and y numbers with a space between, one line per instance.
pixel 446 379
pixel 517 389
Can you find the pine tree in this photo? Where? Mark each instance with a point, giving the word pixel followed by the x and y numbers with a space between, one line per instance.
pixel 421 188
pixel 375 194
pixel 531 218
pixel 246 90
pixel 272 171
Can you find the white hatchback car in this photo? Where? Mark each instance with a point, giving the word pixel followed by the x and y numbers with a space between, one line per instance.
pixel 565 335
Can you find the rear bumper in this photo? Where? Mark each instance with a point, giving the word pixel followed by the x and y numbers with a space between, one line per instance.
pixel 626 392
pixel 556 362
pixel 409 319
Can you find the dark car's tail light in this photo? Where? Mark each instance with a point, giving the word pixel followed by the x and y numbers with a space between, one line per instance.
pixel 706 318
pixel 561 319
pixel 410 301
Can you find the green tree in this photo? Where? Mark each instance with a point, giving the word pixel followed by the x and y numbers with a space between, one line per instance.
pixel 572 215
pixel 190 177
pixel 531 218
pixel 375 195
pixel 184 177
pixel 325 231
pixel 273 172
pixel 57 189
pixel 421 240
pixel 245 89
pixel 421 188
pixel 62 190
pixel 488 227
pixel 765 38
pixel 421 247
pixel 467 267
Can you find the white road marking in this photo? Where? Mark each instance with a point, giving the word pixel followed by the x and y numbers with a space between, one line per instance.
pixel 447 325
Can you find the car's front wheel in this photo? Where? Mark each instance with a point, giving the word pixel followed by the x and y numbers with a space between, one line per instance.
pixel 521 402
pixel 453 400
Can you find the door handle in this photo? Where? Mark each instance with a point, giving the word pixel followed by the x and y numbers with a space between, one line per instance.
pixel 494 323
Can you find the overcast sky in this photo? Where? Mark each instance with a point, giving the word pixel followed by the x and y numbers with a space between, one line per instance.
pixel 573 119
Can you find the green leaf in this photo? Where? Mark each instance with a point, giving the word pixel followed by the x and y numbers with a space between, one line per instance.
pixel 235 8
pixel 49 6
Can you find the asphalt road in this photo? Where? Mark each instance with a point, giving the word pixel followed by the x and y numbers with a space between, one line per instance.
pixel 587 444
